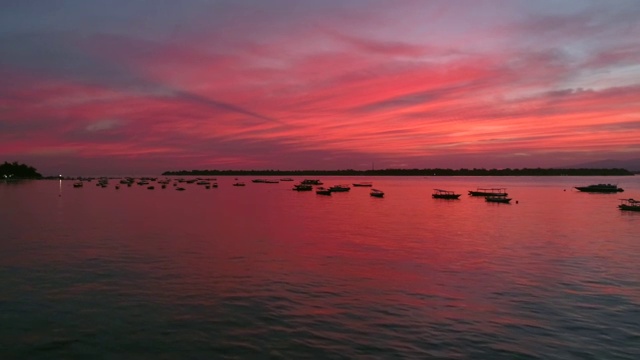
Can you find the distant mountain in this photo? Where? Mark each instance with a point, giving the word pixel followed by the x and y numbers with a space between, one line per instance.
pixel 631 165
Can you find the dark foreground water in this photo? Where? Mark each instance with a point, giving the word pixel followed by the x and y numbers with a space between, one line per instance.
pixel 265 272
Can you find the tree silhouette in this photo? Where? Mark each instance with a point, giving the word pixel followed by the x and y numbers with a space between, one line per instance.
pixel 16 170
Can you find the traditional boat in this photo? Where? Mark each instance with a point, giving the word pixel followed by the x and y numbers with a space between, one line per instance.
pixel 376 193
pixel 629 205
pixel 600 188
pixel 238 184
pixel 323 191
pixel 78 184
pixel 497 199
pixel 302 187
pixel 363 184
pixel 488 192
pixel 339 188
pixel 444 194
pixel 311 182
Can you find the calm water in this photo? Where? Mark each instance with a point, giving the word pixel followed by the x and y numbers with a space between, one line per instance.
pixel 266 272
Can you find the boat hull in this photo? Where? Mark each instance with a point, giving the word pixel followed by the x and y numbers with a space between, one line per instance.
pixel 447 196
pixel 604 190
pixel 498 199
pixel 484 193
pixel 629 207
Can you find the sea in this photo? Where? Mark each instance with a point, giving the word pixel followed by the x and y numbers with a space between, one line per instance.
pixel 264 272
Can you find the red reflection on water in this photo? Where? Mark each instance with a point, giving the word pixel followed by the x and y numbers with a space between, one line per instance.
pixel 448 259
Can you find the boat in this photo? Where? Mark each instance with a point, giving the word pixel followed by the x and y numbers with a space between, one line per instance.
pixel 302 187
pixel 444 194
pixel 376 193
pixel 150 187
pixel 238 184
pixel 497 199
pixel 363 184
pixel 488 192
pixel 600 188
pixel 629 205
pixel 286 179
pixel 311 182
pixel 339 188
pixel 78 184
pixel 180 189
pixel 323 191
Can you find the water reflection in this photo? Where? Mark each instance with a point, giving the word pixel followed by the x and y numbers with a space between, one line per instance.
pixel 243 272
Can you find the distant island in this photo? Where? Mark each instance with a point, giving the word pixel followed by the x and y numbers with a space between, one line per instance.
pixel 407 172
pixel 15 170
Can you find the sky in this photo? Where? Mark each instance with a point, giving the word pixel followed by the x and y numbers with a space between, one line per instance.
pixel 127 87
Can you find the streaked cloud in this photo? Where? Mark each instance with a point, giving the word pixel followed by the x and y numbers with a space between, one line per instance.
pixel 304 84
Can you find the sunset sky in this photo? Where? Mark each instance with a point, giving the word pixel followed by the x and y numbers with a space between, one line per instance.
pixel 139 87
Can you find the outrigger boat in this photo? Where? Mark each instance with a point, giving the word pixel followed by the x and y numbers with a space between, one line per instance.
pixel 489 192
pixel 444 194
pixel 629 205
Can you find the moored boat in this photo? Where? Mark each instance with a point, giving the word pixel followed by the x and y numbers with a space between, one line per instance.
pixel 488 192
pixel 311 182
pixel 629 205
pixel 600 188
pixel 376 193
pixel 238 184
pixel 339 188
pixel 363 184
pixel 444 194
pixel 302 187
pixel 497 199
pixel 78 184
pixel 323 191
